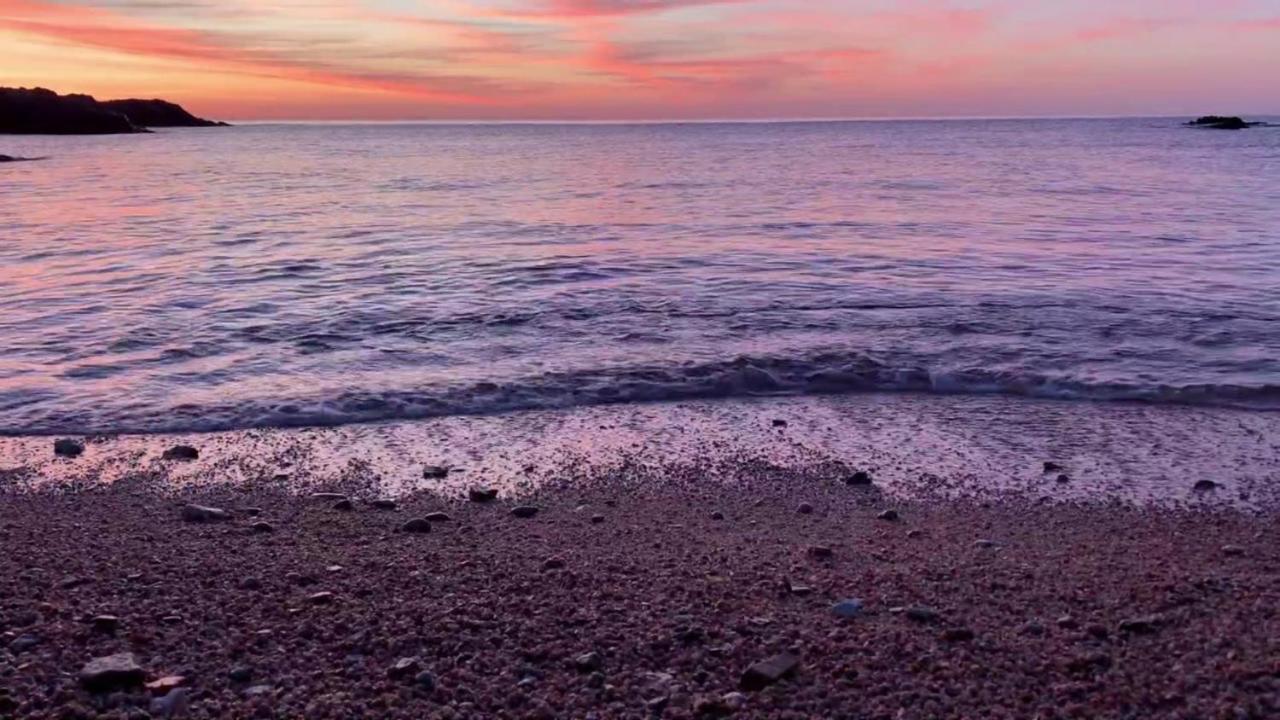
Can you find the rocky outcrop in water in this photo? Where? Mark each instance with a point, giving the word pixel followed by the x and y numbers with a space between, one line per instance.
pixel 1222 122
pixel 37 111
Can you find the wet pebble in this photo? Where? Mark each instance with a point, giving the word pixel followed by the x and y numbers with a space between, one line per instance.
pixel 890 515
pixel 203 514
pixel 416 525
pixel 66 447
pixel 181 452
pixel 524 511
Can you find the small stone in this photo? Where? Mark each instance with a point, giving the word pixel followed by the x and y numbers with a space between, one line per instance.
pixel 717 515
pixel 597 519
pixel 1089 662
pixel 22 643
pixel 482 495
pixel 416 525
pixel 1097 631
pixel 252 511
pixel 437 517
pixel 320 598
pixel 1232 550
pixel 435 472
pixel 805 509
pixel 735 700
pixel 112 672
pixel 171 619
pixel 850 608
pixel 821 552
pixel 262 527
pixel 181 452
pixel 1205 485
pixel 921 614
pixel 1140 625
pixel 588 662
pixel 1063 479
pixel 1066 622
pixel 767 672
pixel 860 477
pixel 890 515
pixel 1033 628
pixel 240 674
pixel 166 684
pixel 343 505
pixel 170 704
pixel 524 511
pixel 202 514
pixel 65 447
pixel 793 589
pixel 251 583
pixel 1051 467
pixel 959 634
pixel 404 667
pixel 383 504
pixel 425 681
pixel 984 544
pixel 779 422
pixel 328 496
pixel 553 563
pixel 105 623
pixel 913 534
pixel 259 690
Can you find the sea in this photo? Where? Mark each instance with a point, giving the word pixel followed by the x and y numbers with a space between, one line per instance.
pixel 294 275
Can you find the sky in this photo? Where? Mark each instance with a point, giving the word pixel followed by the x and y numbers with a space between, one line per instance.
pixel 653 59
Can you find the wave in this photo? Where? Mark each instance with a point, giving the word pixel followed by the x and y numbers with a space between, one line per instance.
pixel 741 377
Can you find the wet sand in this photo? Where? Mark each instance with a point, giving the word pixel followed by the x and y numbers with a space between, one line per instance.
pixel 646 584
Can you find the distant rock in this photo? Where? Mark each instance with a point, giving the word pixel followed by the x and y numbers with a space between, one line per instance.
pixel 105 623
pixel 1141 625
pixel 435 472
pixel 805 509
pixel 112 672
pixel 860 477
pixel 588 662
pixel 820 552
pixel 383 504
pixel 1050 466
pixel 847 608
pixel 889 515
pixel 262 527
pixel 957 634
pixel 38 111
pixel 181 452
pixel 437 517
pixel 524 511
pixel 12 159
pixel 343 505
pixel 921 614
pixel 1232 550
pixel 328 496
pixel 66 447
pixel 1205 485
pixel 767 672
pixel 404 667
pixel 203 514
pixel 1222 122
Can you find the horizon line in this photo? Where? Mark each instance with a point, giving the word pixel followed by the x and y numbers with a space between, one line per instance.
pixel 712 121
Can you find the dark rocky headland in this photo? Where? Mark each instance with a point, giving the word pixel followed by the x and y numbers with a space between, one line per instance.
pixel 37 111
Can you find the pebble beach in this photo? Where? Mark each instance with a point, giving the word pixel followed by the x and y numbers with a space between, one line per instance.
pixel 635 589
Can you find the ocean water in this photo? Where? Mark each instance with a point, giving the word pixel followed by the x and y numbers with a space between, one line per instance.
pixel 290 275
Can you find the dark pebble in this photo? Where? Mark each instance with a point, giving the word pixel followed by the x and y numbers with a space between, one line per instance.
pixel 861 477
pixel 482 495
pixel 240 674
pixel 262 527
pixel 435 472
pixel 343 505
pixel 524 511
pixel 960 634
pixel 66 447
pixel 889 515
pixel 767 672
pixel 437 517
pixel 416 525
pixel 181 452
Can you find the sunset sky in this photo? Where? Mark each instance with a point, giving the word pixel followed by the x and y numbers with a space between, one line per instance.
pixel 652 59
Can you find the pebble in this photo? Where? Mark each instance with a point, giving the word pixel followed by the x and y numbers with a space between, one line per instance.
pixel 67 447
pixel 959 634
pixel 717 515
pixel 252 511
pixel 181 452
pixel 259 690
pixel 320 598
pixel 588 662
pixel 383 504
pixel 890 515
pixel 820 552
pixel 435 472
pixel 984 543
pixel 262 527
pixel 779 422
pixel 112 672
pixel 437 517
pixel 425 680
pixel 861 477
pixel 23 643
pixel 202 514
pixel 482 495
pixel 1064 478
pixel 105 623
pixel 327 496
pixel 251 583
pixel 805 509
pixel 913 534
pixel 920 614
pixel 343 505
pixel 847 608
pixel 767 672
pixel 172 705
pixel 1140 625
pixel 597 519
pixel 416 525
pixel 1205 485
pixel 553 563
pixel 524 511
pixel 166 684
pixel 240 674
pixel 1066 622
pixel 1051 466
pixel 404 667
pixel 1232 550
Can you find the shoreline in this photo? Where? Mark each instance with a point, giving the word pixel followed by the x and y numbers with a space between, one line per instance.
pixel 642 592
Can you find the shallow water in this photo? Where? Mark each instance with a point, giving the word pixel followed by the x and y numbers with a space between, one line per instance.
pixel 324 274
